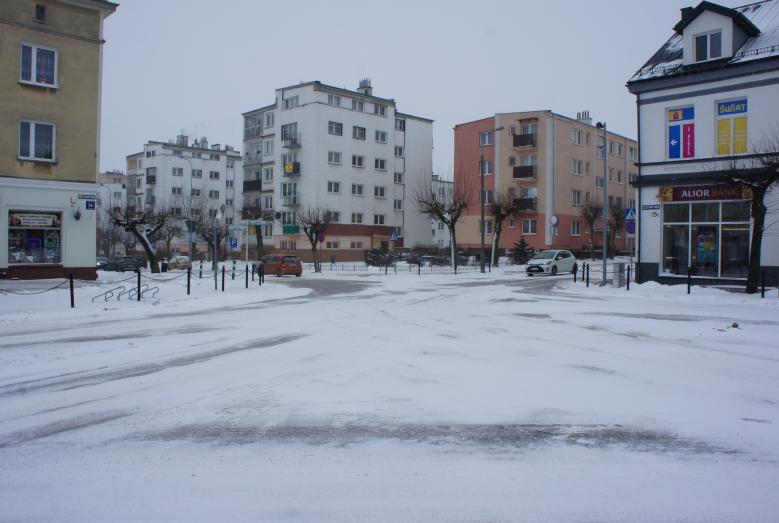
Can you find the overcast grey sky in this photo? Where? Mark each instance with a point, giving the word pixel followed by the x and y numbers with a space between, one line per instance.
pixel 196 65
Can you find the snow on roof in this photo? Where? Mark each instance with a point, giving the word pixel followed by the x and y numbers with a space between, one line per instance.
pixel 667 60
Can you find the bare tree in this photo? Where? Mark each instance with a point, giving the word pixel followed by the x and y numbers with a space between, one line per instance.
pixel 210 222
pixel 256 212
pixel 503 206
pixel 617 222
pixel 448 207
pixel 314 221
pixel 128 240
pixel 590 213
pixel 107 237
pixel 143 226
pixel 757 173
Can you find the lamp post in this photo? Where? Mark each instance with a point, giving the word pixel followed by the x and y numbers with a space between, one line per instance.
pixel 481 193
pixel 217 219
pixel 602 125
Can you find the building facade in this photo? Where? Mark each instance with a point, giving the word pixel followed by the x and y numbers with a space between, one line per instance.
pixel 111 197
pixel 553 165
pixel 353 153
pixel 186 180
pixel 703 100
pixel 439 232
pixel 51 53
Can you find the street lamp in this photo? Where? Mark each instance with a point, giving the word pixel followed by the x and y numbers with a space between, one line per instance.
pixel 217 219
pixel 481 193
pixel 602 125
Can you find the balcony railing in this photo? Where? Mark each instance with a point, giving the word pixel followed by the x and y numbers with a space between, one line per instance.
pixel 292 169
pixel 253 213
pixel 249 161
pixel 290 229
pixel 290 140
pixel 524 140
pixel 151 179
pixel 292 200
pixel 252 185
pixel 524 172
pixel 526 204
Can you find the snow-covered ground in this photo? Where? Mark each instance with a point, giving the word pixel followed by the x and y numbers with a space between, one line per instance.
pixel 355 396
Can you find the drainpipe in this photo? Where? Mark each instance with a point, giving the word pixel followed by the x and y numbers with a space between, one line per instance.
pixel 638 198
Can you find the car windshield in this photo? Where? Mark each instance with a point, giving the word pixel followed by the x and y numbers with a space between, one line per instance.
pixel 291 259
pixel 545 255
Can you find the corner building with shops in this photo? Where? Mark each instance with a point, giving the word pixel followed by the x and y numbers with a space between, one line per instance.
pixel 703 100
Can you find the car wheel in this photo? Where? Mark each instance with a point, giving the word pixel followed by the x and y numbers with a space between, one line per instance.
pixel 298 275
pixel 554 270
pixel 530 274
pixel 575 268
pixel 278 273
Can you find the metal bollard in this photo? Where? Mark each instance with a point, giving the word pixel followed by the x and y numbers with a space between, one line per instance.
pixel 201 270
pixel 762 283
pixel 588 275
pixel 584 267
pixel 223 278
pixel 246 272
pixel 189 275
pixel 628 279
pixel 575 273
pixel 689 280
pixel 139 284
pixel 233 270
pixel 72 297
pixel 254 267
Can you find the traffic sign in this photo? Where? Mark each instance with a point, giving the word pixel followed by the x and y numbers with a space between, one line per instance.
pixel 630 225
pixel 394 235
pixel 233 244
pixel 630 214
pixel 321 237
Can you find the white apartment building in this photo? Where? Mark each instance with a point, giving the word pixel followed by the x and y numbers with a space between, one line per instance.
pixel 181 176
pixel 111 194
pixel 347 151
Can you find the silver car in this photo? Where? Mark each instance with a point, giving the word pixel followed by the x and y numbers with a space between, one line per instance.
pixel 552 262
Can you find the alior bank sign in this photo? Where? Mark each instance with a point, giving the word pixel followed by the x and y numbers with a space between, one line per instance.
pixel 692 193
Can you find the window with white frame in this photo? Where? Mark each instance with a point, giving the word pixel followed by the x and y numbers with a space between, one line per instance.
pixel 485 138
pixel 195 192
pixel 611 174
pixel 512 222
pixel 398 177
pixel 177 171
pixel 576 198
pixel 333 99
pixel 213 156
pixel 291 102
pixel 379 192
pixel 528 192
pixel 267 146
pixel 380 164
pixel 356 217
pixel 400 124
pixel 267 230
pixel 576 167
pixel 267 174
pixel 213 194
pixel 381 136
pixel 529 226
pixel 486 167
pixel 336 128
pixel 488 197
pixel 399 150
pixel 176 191
pixel 229 183
pixel 632 153
pixel 357 189
pixel 576 228
pixel 39 65
pixel 599 182
pixel 397 205
pixel 334 187
pixel 380 110
pixel 213 175
pixel 355 244
pixel 528 160
pixel 358 161
pixel 229 202
pixel 358 133
pixel 529 127
pixel 358 105
pixel 267 201
pixel 334 157
pixel 37 141
pixel 576 136
pixel 620 149
pixel 269 119
pixel 378 219
pixel 619 176
pixel 333 216
pixel 708 46
pixel 334 244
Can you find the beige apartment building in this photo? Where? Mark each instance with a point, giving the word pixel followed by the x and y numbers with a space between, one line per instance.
pixel 553 165
pixel 51 54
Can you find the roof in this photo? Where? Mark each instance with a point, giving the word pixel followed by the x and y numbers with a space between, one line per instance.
pixel 759 20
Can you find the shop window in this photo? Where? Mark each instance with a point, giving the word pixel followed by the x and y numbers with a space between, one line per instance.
pixel 34 237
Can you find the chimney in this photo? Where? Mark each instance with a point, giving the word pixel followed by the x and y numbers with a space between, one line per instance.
pixel 183 140
pixel 584 117
pixel 203 142
pixel 365 87
pixel 686 12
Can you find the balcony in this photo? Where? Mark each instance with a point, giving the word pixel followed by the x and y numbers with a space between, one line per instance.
pixel 292 200
pixel 252 213
pixel 250 161
pixel 524 140
pixel 292 169
pixel 290 140
pixel 151 179
pixel 526 204
pixel 524 172
pixel 290 229
pixel 252 185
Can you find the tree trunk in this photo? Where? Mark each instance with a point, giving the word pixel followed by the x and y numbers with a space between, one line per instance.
pixel 758 222
pixel 453 246
pixel 496 242
pixel 146 244
pixel 317 268
pixel 258 240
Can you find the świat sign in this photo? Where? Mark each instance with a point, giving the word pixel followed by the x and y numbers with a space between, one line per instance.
pixel 691 193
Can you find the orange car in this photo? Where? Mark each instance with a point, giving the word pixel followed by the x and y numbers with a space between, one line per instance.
pixel 282 264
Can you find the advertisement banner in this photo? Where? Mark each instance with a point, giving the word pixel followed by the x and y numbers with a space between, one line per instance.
pixel 740 135
pixel 37 220
pixel 692 193
pixel 723 136
pixel 688 140
pixel 732 107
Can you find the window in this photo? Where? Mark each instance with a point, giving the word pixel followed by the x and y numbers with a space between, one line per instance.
pixel 600 149
pixel 356 217
pixel 267 174
pixel 288 245
pixel 335 128
pixel 269 120
pixel 291 102
pixel 289 132
pixel 576 136
pixel 356 245
pixel 267 146
pixel 486 167
pixel 267 230
pixel 576 198
pixel 288 218
pixel 599 183
pixel 378 219
pixel 619 176
pixel 333 216
pixel 231 164
pixel 380 110
pixel 611 175
pixel 529 127
pixel 176 190
pixel 633 178
pixel 334 187
pixel 399 150
pixel 334 157
pixel 177 171
pixel 358 105
pixel 732 127
pixel 398 177
pixel 212 213
pixel 512 223
pixel 37 141
pixel 397 205
pixel 40 13
pixel 39 65
pixel 267 201
pixel 485 138
pixel 213 156
pixel 528 226
pixel 34 237
pixel 213 175
pixel 576 167
pixel 528 192
pixel 149 154
pixel 400 124
pixel 632 154
pixel 529 160
pixel 358 161
pixel 195 192
pixel 213 194
pixel 229 202
pixel 487 226
pixel 358 133
pixel 229 183
pixel 357 189
pixel 381 136
pixel 379 192
pixel 331 244
pixel 620 149
pixel 708 46
pixel 333 99
pixel 380 164
pixel 512 160
pixel 576 228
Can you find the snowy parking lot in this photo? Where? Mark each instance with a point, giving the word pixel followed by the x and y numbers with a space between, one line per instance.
pixel 359 396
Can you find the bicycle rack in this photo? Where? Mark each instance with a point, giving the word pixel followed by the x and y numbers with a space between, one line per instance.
pixel 109 293
pixel 132 292
pixel 155 289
